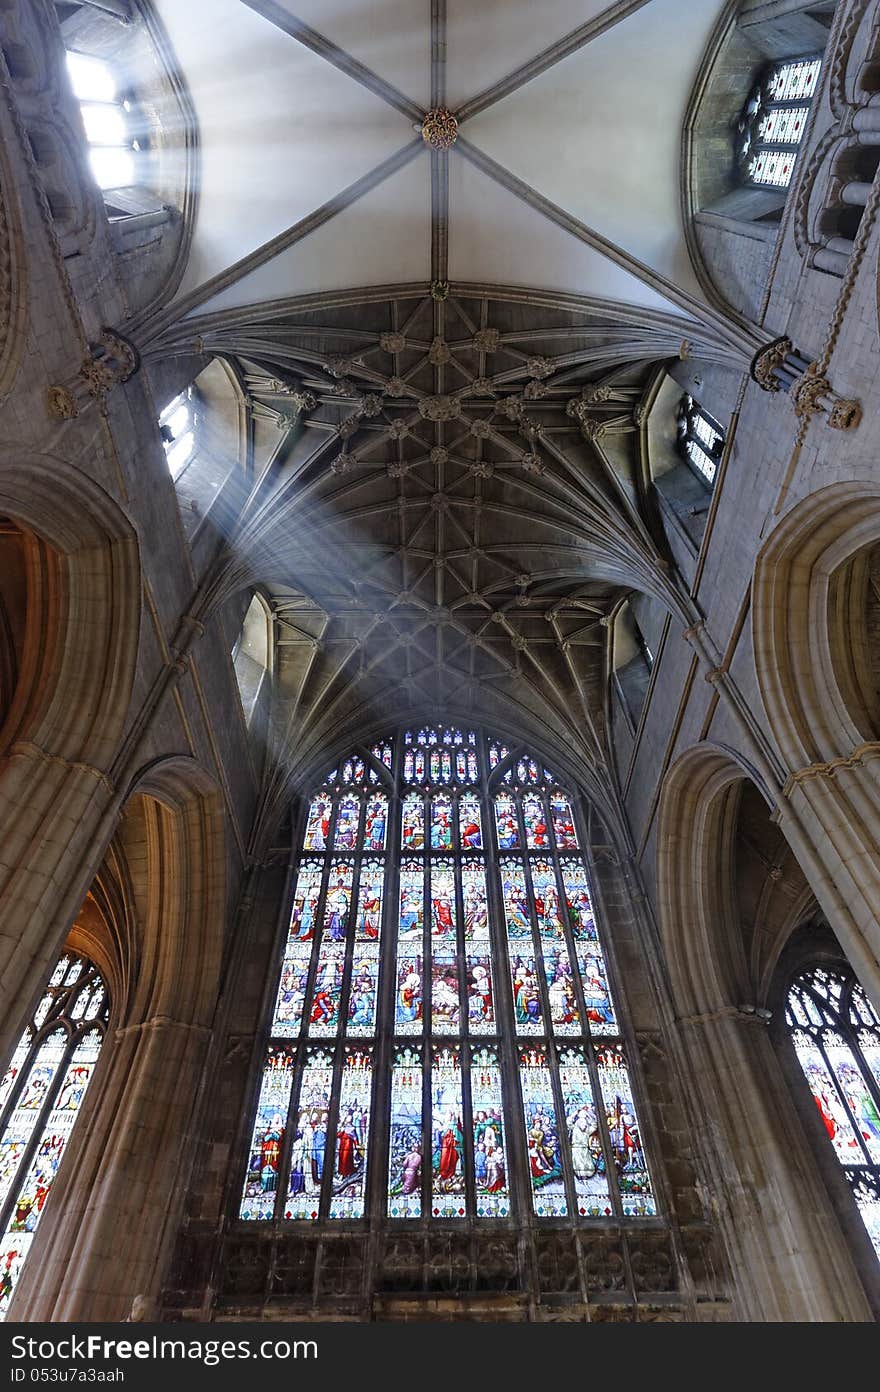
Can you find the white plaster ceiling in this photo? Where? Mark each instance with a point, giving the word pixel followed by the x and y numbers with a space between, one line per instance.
pixel 283 130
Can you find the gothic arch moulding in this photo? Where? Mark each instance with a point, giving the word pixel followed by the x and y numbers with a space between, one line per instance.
pixel 811 618
pixel 163 882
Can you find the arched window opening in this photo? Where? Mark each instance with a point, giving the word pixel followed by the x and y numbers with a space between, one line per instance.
pixel 773 120
pixel 444 1038
pixel 177 426
pixel 251 655
pixel 836 1035
pixel 109 119
pixel 700 439
pixel 41 1094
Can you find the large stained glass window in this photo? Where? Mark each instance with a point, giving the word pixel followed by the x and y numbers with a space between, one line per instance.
pixel 444 1044
pixel 40 1096
pixel 836 1035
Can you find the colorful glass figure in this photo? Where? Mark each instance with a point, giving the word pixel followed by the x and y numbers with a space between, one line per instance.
pixel 490 1138
pixel 480 994
pixel 560 990
pixel 376 824
pixel 563 823
pixel 447 1139
pixel 347 821
pixel 304 914
pixel 516 904
pixel 261 1179
pixel 597 996
pixel 337 904
pixel 441 824
pixel 584 1139
pixel 318 825
pixel 445 1003
pixel 364 990
pixel 308 1147
pixel 578 900
pixel 624 1132
pixel 411 919
pixel 546 899
pixel 413 822
pixel 535 818
pixel 528 1007
pixel 408 1009
pixel 368 920
pixel 470 823
pixel 543 1145
pixel 473 891
pixel 506 822
pixel 444 917
pixel 405 1142
pixel 348 1190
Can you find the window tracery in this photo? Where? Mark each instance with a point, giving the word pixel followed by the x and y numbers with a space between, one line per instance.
pixel 836 1036
pixel 41 1093
pixel 443 1045
pixel 700 439
pixel 773 121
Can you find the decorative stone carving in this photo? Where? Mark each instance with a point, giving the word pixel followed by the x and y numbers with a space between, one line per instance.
pixel 398 468
pixel 395 386
pixel 812 395
pixel 398 430
pixel 482 386
pixel 392 342
pixel 112 361
pixel 440 290
pixel 440 408
pixel 487 340
pixel 371 405
pixel 339 367
pixel 439 353
pixel 482 469
pixel 342 463
pixel 533 391
pixel 511 407
pixel 480 429
pixel 440 128
pixel 539 367
pixel 348 427
pixel 439 455
pixel 532 464
pixel 344 387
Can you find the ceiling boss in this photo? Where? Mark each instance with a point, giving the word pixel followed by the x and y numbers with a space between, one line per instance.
pixel 440 128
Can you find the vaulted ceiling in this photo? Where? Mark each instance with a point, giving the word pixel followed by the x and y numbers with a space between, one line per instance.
pixel 455 341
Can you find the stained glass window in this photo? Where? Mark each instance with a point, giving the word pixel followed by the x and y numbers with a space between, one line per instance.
pixel 836 1035
pixel 40 1096
pixel 773 121
pixel 444 1019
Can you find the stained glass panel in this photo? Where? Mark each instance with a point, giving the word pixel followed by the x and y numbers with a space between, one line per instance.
pixel 364 990
pixel 35 1092
pixel 376 825
pixel 578 900
pixel 352 1136
pixel 528 1008
pixel 506 822
pixel 444 917
pixel 318 825
pixel 560 990
pixel 413 822
pixel 476 908
pixel 835 1118
pixel 546 899
pixel 261 1180
pixel 563 822
pixel 516 906
pixel 597 995
pixel 408 1010
pixel 490 1139
pixel 584 1138
pixel 405 1147
pixel 347 821
pixel 470 822
pixel 535 818
pixel 445 1004
pixel 624 1132
pixel 441 824
pixel 447 1142
pixel 368 922
pixel 480 995
pixel 412 902
pixel 337 905
pixel 291 998
pixel 309 1145
pixel 544 1152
